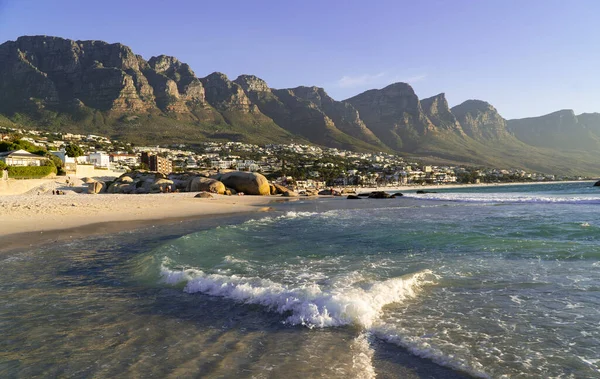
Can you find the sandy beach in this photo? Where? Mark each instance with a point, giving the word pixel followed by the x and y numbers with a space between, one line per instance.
pixel 32 213
pixel 29 206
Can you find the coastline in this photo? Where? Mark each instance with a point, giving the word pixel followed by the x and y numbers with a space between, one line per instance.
pixel 416 187
pixel 152 227
pixel 31 219
pixel 27 216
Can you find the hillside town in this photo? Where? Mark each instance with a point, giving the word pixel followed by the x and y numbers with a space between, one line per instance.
pixel 295 165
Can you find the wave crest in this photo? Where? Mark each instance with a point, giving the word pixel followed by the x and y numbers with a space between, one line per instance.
pixel 308 304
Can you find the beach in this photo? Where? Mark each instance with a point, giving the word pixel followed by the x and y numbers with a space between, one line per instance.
pixel 31 207
pixel 485 282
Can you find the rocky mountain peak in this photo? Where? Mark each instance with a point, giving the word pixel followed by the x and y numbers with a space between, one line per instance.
pixel 480 120
pixel 251 83
pixel 224 94
pixel 58 71
pixel 163 63
pixel 394 114
pixel 435 103
pixel 315 95
pixel 437 110
pixel 473 106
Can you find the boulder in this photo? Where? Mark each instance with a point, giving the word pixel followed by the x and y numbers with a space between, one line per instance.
pixel 75 182
pixel 395 195
pixel 199 183
pixel 161 185
pixel 597 184
pixel 311 192
pixel 125 179
pixel 250 183
pixel 289 194
pixel 421 192
pixel 379 195
pixel 273 189
pixel 117 187
pixel 280 189
pixel 326 192
pixel 353 197
pixel 87 180
pixel 204 195
pixel 96 187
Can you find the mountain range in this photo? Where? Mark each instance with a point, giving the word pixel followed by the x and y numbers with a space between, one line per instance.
pixel 59 84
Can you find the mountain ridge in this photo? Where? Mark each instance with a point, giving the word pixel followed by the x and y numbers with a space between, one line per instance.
pixel 94 86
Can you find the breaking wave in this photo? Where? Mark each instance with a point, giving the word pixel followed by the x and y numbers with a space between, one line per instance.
pixel 308 304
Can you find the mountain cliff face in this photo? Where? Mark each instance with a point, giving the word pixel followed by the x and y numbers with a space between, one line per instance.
pixel 57 72
pixel 344 115
pixel 559 130
pixel 309 112
pixel 394 114
pixel 97 87
pixel 175 85
pixel 437 110
pixel 480 120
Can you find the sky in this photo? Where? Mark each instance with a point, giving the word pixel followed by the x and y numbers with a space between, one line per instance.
pixel 526 58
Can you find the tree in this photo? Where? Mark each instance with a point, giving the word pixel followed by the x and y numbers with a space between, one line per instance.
pixel 57 162
pixel 73 150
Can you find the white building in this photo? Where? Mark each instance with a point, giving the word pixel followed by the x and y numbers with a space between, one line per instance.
pixel 21 158
pixel 63 156
pixel 99 159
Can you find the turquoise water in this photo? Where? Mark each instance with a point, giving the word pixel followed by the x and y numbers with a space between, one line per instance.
pixel 498 282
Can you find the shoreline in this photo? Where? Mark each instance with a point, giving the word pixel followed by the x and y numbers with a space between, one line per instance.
pixel 32 218
pixel 415 187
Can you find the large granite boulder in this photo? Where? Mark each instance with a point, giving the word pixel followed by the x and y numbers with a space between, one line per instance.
pixel 140 182
pixel 279 189
pixel 200 183
pixel 96 187
pixel 597 184
pixel 250 183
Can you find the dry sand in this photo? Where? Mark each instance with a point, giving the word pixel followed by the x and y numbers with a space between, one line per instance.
pixel 46 212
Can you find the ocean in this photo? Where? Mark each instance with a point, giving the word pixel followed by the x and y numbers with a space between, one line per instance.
pixel 486 282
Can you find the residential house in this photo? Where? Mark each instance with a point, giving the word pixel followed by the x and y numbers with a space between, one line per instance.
pixel 21 158
pixel 100 159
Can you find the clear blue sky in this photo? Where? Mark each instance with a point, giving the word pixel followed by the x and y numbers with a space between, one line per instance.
pixel 526 58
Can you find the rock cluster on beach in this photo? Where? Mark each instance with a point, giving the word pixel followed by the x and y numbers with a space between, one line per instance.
pixel 222 183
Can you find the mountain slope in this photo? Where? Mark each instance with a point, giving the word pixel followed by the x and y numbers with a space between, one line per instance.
pixel 95 87
pixel 561 130
pixel 304 117
pixel 394 115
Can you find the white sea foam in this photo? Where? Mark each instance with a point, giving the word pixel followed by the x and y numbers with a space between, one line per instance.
pixel 306 304
pixel 421 347
pixel 362 357
pixel 287 215
pixel 506 198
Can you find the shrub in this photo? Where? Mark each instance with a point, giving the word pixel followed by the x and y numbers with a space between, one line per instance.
pixel 30 172
pixel 2 165
pixel 73 150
